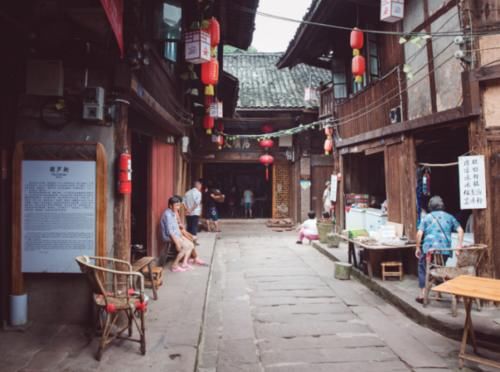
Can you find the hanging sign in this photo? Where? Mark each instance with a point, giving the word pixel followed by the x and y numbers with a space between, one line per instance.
pixel 392 10
pixel 114 12
pixel 333 188
pixel 197 48
pixel 472 176
pixel 216 109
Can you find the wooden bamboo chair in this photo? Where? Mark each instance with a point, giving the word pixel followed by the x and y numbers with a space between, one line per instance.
pixel 468 259
pixel 113 284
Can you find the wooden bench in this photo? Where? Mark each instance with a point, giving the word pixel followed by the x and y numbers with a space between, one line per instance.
pixel 140 266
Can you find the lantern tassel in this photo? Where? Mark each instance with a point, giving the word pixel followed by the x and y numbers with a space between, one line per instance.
pixel 267 173
pixel 209 90
pixel 209 131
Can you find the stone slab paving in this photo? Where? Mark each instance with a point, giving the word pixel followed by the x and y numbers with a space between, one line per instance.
pixel 274 306
pixel 173 324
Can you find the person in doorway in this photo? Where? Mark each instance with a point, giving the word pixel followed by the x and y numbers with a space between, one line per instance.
pixel 248 202
pixel 309 228
pixel 192 202
pixel 434 232
pixel 170 230
pixel 215 196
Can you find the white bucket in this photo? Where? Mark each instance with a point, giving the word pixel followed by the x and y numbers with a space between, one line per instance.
pixel 18 309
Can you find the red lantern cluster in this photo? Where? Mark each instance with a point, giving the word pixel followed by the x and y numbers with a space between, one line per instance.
pixel 266 144
pixel 358 65
pixel 328 146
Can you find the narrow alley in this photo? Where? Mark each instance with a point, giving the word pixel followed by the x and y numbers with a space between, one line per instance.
pixel 275 306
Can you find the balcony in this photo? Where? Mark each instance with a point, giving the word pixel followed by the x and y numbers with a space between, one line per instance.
pixel 366 110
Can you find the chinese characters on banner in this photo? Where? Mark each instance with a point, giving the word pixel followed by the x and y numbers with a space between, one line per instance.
pixel 333 188
pixel 472 182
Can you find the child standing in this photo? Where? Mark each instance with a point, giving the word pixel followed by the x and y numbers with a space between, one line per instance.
pixel 308 229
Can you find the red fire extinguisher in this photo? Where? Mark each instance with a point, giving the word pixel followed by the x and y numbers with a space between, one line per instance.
pixel 125 173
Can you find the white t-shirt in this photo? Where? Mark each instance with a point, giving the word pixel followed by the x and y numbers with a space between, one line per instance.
pixel 248 196
pixel 310 227
pixel 192 199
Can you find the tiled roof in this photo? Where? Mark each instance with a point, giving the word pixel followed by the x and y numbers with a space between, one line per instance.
pixel 263 86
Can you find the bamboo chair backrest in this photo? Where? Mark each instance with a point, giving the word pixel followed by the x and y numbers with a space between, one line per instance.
pixel 106 280
pixel 470 256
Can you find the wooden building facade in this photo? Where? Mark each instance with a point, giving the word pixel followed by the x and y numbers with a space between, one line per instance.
pixel 67 61
pixel 424 101
pixel 268 96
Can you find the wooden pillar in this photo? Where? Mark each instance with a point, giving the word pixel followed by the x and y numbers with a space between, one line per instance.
pixel 122 228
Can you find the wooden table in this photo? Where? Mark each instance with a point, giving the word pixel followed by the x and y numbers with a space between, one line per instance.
pixel 140 265
pixel 368 250
pixel 471 288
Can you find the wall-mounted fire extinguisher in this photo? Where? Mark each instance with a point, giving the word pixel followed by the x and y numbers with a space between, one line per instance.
pixel 125 173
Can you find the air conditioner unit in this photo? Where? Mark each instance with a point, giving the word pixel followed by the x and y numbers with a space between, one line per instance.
pixel 395 115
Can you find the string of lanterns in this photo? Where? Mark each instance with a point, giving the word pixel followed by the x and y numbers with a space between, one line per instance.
pixel 358 65
pixel 266 143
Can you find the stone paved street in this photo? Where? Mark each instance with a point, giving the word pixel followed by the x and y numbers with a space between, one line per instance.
pixel 274 306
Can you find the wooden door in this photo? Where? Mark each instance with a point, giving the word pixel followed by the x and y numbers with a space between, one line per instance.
pixel 162 178
pixel 393 171
pixel 481 223
pixel 319 176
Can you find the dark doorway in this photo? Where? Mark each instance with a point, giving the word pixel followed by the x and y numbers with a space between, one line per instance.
pixel 234 178
pixel 140 168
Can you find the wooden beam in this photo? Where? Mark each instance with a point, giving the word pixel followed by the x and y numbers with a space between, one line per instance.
pixel 484 74
pixel 442 117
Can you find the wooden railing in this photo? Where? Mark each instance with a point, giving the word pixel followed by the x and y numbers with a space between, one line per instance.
pixel 370 108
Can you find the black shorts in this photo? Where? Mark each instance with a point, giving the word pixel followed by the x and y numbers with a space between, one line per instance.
pixel 192 224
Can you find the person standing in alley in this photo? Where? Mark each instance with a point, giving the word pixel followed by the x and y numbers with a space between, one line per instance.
pixel 434 232
pixel 192 202
pixel 171 231
pixel 248 202
pixel 309 228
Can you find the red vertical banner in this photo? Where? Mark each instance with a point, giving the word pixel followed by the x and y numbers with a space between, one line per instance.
pixel 114 12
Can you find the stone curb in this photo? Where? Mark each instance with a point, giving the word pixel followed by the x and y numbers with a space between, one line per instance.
pixel 489 341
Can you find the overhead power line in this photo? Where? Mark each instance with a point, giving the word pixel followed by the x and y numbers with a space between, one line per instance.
pixel 490 31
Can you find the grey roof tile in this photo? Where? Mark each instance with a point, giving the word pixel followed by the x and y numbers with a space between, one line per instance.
pixel 263 85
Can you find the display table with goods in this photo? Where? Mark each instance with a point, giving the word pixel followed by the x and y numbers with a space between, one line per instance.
pixel 471 288
pixel 374 251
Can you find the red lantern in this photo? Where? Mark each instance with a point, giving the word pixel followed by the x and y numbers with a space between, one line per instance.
pixel 357 40
pixel 328 131
pixel 358 67
pixel 208 101
pixel 210 75
pixel 208 123
pixel 267 128
pixel 328 146
pixel 220 126
pixel 214 31
pixel 266 143
pixel 266 160
pixel 220 141
pixel 125 173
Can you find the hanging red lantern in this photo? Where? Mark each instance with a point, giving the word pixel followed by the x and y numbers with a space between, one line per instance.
pixel 328 146
pixel 329 131
pixel 220 141
pixel 358 68
pixel 266 143
pixel 357 40
pixel 208 123
pixel 266 128
pixel 210 75
pixel 214 31
pixel 266 160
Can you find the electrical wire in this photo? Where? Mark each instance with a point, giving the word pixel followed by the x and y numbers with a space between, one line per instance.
pixel 490 31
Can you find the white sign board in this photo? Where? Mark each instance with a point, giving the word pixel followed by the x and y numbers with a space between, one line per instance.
pixel 333 188
pixel 58 214
pixel 197 47
pixel 472 176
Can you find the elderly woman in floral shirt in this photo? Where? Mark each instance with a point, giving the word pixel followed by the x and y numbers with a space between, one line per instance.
pixel 434 232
